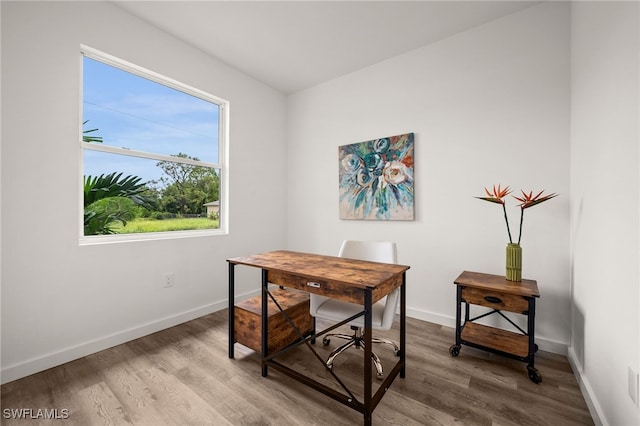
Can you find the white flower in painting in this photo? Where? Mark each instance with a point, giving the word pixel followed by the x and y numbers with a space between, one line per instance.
pixel 395 172
pixel 351 163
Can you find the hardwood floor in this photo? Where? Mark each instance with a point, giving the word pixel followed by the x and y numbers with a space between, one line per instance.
pixel 182 376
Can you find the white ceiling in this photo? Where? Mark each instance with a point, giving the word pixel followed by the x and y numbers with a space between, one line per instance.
pixel 293 45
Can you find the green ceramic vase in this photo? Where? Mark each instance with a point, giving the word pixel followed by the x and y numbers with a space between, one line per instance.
pixel 514 262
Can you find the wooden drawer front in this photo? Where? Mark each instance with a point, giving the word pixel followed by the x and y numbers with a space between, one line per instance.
pixel 248 320
pixel 495 300
pixel 323 287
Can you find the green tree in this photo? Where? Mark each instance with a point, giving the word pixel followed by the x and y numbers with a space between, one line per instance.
pixel 100 214
pixel 187 187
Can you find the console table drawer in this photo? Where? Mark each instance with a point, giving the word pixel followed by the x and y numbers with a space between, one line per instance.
pixel 496 300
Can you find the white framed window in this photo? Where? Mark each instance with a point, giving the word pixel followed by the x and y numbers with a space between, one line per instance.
pixel 153 154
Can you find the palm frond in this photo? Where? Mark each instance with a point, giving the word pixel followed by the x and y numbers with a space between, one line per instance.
pixel 114 185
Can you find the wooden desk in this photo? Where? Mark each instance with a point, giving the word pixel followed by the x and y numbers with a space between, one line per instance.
pixel 495 292
pixel 354 281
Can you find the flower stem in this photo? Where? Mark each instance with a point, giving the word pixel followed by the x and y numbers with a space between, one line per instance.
pixel 521 218
pixel 504 208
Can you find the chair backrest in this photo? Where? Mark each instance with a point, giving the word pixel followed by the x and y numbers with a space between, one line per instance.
pixel 374 251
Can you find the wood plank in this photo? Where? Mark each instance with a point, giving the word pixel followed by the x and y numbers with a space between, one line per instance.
pixel 498 283
pixel 496 338
pixel 120 368
pixel 101 404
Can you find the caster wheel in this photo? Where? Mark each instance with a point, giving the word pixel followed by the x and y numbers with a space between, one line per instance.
pixel 535 347
pixel 534 375
pixel 454 350
pixel 326 341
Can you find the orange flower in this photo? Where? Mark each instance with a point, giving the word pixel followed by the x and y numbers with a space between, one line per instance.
pixel 497 195
pixel 528 200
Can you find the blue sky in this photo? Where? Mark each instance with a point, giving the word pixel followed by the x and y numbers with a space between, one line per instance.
pixel 136 113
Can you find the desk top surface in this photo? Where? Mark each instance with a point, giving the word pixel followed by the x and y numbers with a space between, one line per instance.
pixel 355 273
pixel 498 283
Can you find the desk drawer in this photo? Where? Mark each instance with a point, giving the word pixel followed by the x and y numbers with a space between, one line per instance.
pixel 248 320
pixel 495 300
pixel 322 287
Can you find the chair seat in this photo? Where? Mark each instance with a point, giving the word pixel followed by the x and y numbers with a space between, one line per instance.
pixel 337 310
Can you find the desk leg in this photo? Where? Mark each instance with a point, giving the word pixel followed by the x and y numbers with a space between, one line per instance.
pixel 232 334
pixel 531 323
pixel 454 349
pixel 534 374
pixel 265 321
pixel 403 324
pixel 368 298
pixel 459 313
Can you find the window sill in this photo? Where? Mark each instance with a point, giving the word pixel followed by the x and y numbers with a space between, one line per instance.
pixel 150 236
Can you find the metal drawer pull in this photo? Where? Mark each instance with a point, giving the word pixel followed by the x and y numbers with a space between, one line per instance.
pixel 313 284
pixel 492 299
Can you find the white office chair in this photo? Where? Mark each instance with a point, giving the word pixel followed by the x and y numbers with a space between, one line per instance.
pixel 383 311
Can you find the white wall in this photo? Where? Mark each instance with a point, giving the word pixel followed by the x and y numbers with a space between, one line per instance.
pixel 605 190
pixel 489 105
pixel 61 300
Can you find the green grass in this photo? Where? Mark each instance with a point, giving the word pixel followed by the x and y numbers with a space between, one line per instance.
pixel 153 225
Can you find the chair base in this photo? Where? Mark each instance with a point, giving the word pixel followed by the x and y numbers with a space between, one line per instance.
pixel 358 341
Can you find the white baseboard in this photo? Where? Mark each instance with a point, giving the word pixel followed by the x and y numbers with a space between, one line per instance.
pixel 552 346
pixel 585 387
pixel 431 317
pixel 44 362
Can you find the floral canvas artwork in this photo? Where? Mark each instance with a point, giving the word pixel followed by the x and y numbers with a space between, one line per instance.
pixel 376 179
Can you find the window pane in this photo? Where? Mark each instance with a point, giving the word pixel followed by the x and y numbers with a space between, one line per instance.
pixel 139 114
pixel 97 163
pixel 170 196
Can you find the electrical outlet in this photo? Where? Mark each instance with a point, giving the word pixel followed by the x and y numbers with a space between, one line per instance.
pixel 168 280
pixel 633 386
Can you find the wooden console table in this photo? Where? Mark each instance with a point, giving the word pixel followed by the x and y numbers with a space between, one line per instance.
pixel 495 292
pixel 355 281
